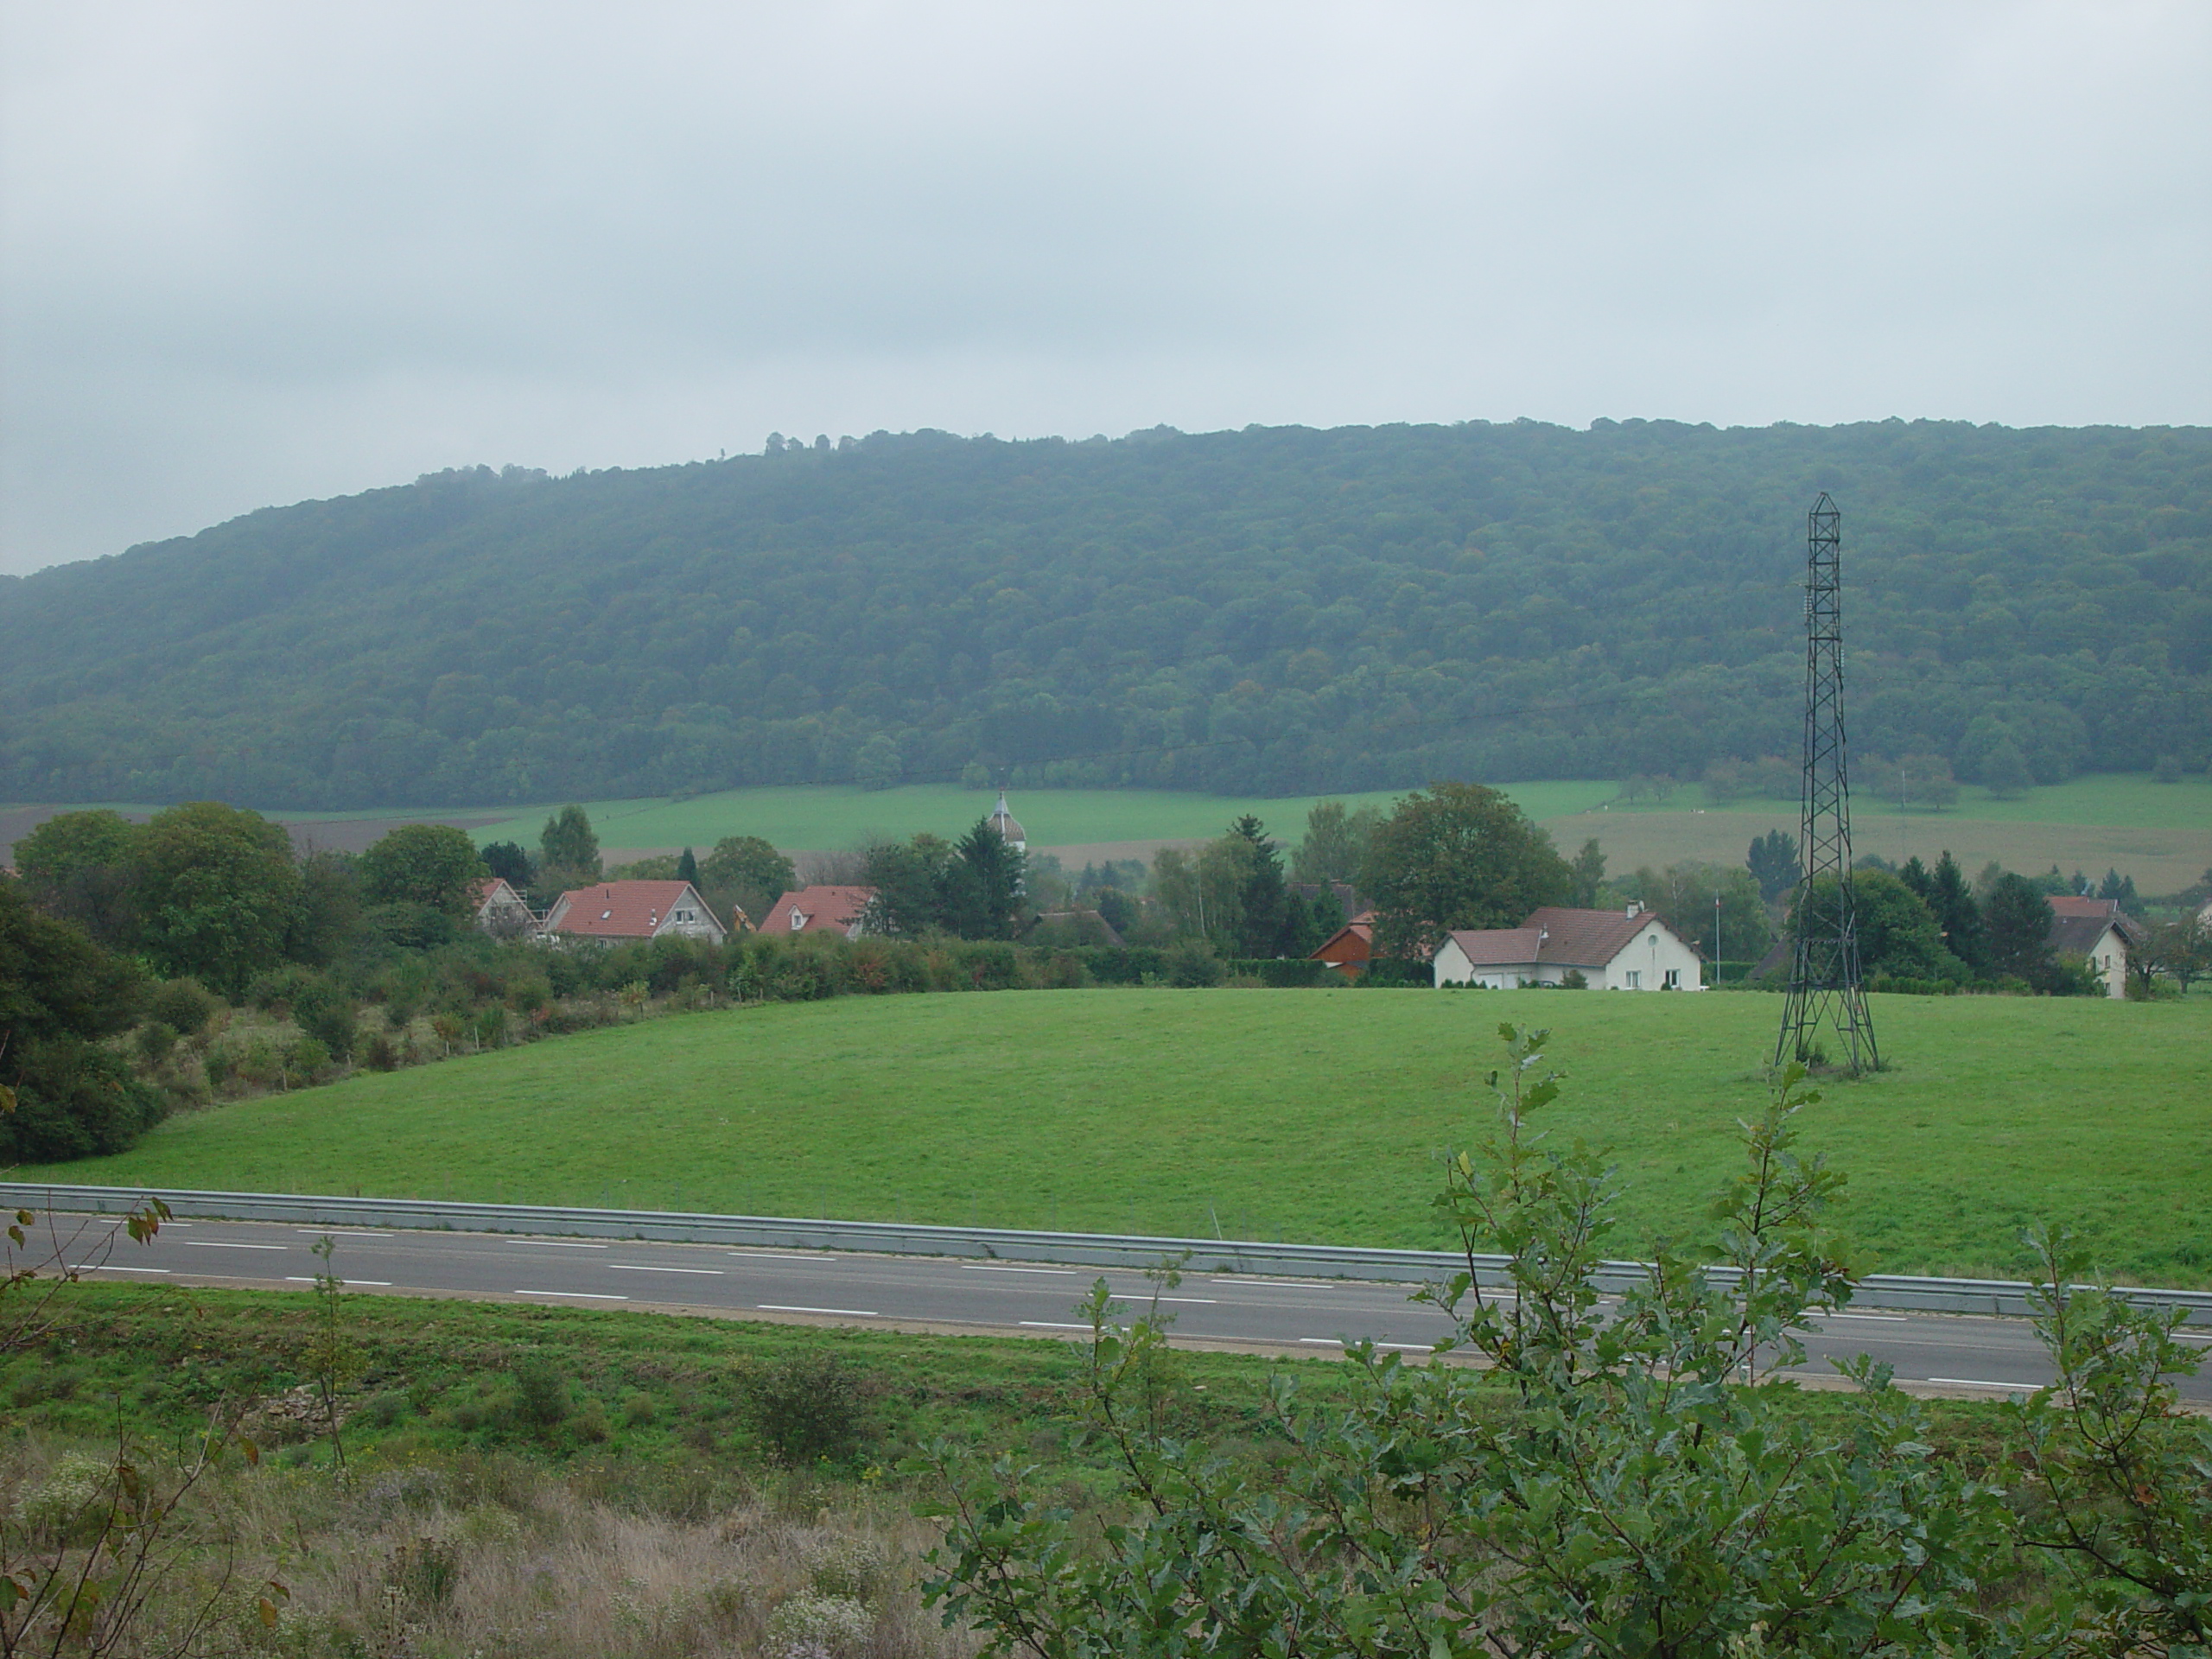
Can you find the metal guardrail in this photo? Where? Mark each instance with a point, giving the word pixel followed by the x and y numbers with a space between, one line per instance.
pixel 1894 1291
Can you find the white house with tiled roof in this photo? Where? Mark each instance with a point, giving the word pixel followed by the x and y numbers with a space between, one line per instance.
pixel 1625 950
pixel 632 910
pixel 2096 929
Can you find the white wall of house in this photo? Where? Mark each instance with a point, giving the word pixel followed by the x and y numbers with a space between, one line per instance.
pixel 1452 967
pixel 1655 959
pixel 2108 955
pixel 689 918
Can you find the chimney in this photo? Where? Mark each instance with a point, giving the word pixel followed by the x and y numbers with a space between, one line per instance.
pixel 1635 909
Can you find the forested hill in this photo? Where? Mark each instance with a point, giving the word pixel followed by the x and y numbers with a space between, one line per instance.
pixel 1275 610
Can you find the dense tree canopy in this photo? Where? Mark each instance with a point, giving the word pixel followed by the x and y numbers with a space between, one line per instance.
pixel 77 866
pixel 62 1095
pixel 433 865
pixel 971 888
pixel 2017 927
pixel 217 890
pixel 746 871
pixel 1266 610
pixel 1456 855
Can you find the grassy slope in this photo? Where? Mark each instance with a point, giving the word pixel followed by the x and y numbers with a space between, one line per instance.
pixel 1311 1116
pixel 439 1375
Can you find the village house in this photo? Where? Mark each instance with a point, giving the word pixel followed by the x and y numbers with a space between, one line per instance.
pixel 1625 950
pixel 632 910
pixel 1349 948
pixel 499 910
pixel 820 910
pixel 2096 929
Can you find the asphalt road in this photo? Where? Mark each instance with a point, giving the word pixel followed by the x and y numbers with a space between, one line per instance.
pixel 1932 1353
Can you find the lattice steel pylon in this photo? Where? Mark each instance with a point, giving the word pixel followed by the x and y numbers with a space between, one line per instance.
pixel 1824 988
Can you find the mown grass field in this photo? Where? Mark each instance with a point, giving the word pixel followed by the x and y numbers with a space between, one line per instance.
pixel 2161 834
pixel 2123 799
pixel 1291 1114
pixel 828 815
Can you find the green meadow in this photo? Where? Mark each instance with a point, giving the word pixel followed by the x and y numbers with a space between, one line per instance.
pixel 826 815
pixel 2159 833
pixel 1316 1115
pixel 2124 799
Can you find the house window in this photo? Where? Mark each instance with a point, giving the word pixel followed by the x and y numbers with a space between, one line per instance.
pixel 1635 976
pixel 1674 980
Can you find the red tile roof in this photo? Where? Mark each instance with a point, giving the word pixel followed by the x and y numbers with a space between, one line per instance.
pixel 2068 904
pixel 817 908
pixel 622 909
pixel 484 891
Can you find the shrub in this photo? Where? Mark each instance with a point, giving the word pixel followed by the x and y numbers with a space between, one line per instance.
pixel 842 1565
pixel 69 1503
pixel 489 1028
pixel 541 1398
pixel 809 1408
pixel 306 1061
pixel 1192 965
pixel 184 1005
pixel 1392 971
pixel 74 1099
pixel 1285 973
pixel 810 1625
pixel 154 1040
pixel 1062 970
pixel 1899 985
pixel 278 989
pixel 422 1573
pixel 989 964
pixel 326 1014
pixel 2073 976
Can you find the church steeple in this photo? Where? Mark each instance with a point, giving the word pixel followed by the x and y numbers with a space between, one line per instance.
pixel 1009 828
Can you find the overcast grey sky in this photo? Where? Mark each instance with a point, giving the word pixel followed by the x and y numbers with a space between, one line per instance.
pixel 253 253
